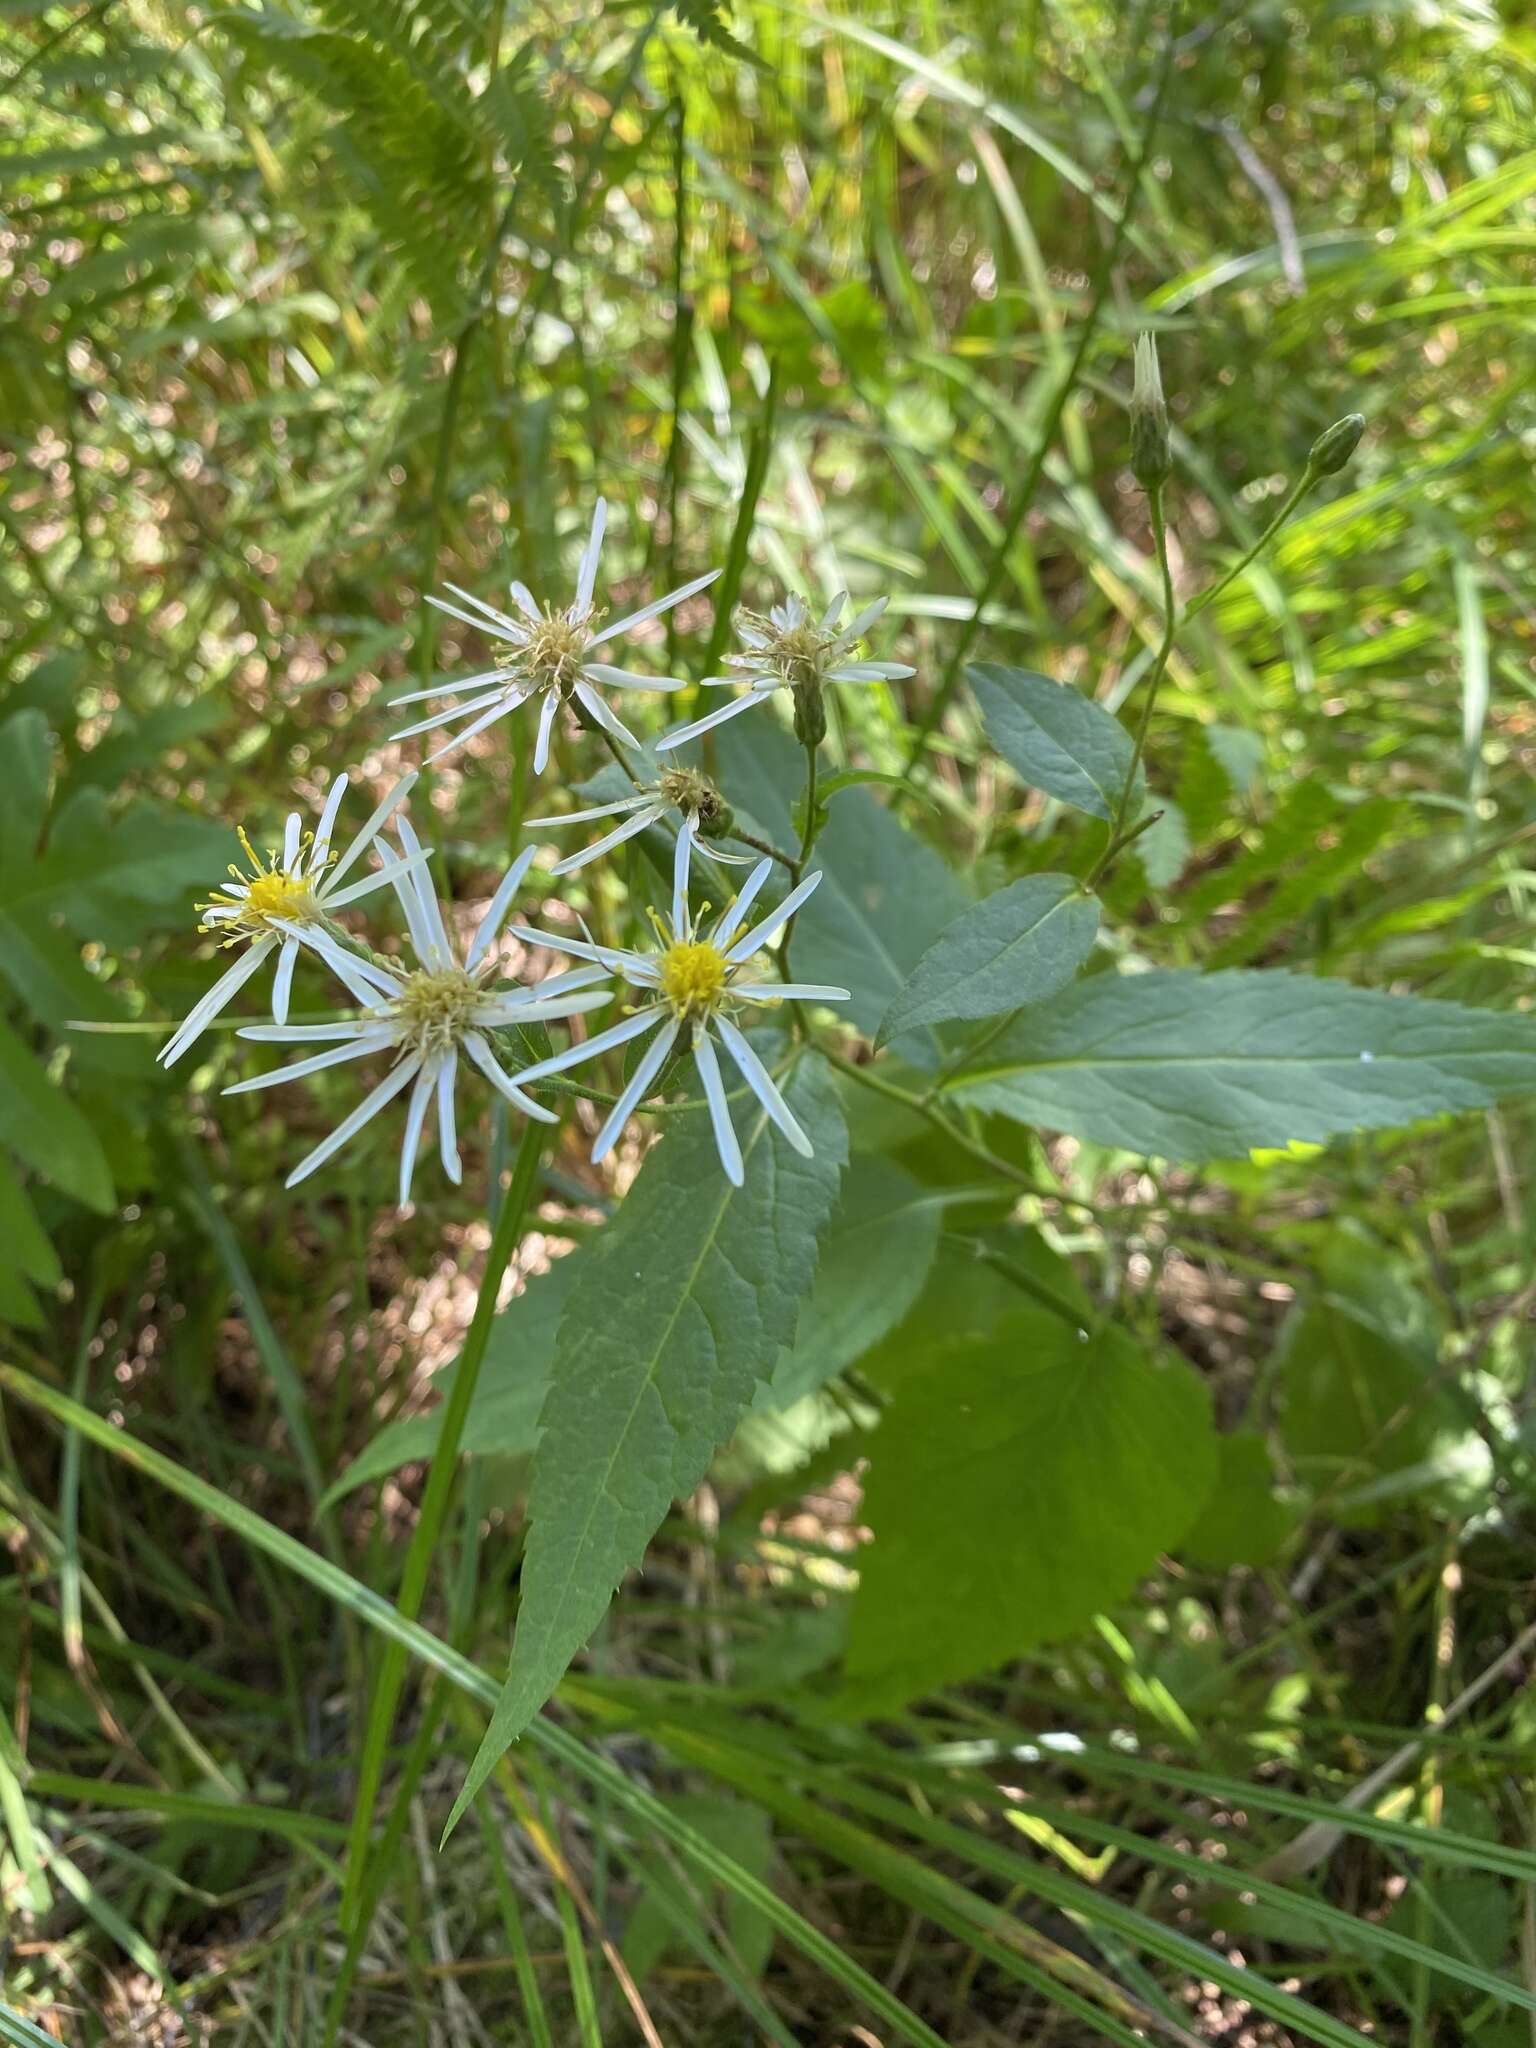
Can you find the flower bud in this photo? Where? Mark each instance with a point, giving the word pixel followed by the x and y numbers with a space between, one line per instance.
pixel 1151 455
pixel 1333 448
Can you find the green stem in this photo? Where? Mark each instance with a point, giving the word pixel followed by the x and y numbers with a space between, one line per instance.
pixel 788 860
pixel 810 826
pixel 1119 837
pixel 921 1106
pixel 1293 498
pixel 429 1522
pixel 1025 495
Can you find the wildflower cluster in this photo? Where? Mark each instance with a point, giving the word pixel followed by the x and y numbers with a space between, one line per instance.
pixel 438 1009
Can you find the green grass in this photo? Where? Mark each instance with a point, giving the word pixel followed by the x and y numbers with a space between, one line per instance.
pixel 299 325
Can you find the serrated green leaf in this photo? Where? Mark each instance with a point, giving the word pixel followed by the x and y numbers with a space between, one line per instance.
pixel 1056 739
pixel 40 1123
pixel 1017 946
pixel 1079 1457
pixel 1205 1066
pixel 874 1264
pixel 685 1301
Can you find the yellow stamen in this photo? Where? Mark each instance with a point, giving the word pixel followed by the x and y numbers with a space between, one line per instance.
pixel 693 976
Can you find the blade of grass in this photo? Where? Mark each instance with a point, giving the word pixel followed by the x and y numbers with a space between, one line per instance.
pixel 378 1613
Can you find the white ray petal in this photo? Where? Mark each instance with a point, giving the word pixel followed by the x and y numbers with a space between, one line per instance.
pixel 447 1127
pixel 579 949
pixel 523 598
pixel 377 818
pixel 409 732
pixel 497 908
pixel 282 981
pixel 730 924
pixel 631 802
pixel 208 1006
pixel 501 710
pixel 429 934
pixel 327 824
pixel 338 899
pixel 654 609
pixel 605 1041
pixel 508 624
pixel 590 701
pixel 744 948
pixel 352 1049
pixel 547 712
pixel 486 675
pixel 499 1078
pixel 301 1034
pixel 684 733
pixel 719 1109
pixel 510 627
pixel 834 611
pixel 369 1107
pixel 635 1090
pixel 629 678
pixel 861 622
pixel 573 1004
pixel 788 992
pixel 586 572
pixel 763 1085
pixel 870 672
pixel 368 984
pixel 415 1117
pixel 681 856
pixel 609 840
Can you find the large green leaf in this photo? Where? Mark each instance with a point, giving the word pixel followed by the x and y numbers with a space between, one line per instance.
pixel 884 896
pixel 1205 1066
pixel 1022 1479
pixel 683 1304
pixel 873 1267
pixel 1017 946
pixel 1056 739
pixel 45 1129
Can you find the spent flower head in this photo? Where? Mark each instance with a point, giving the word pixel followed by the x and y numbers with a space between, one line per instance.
pixel 693 796
pixel 694 986
pixel 425 1015
pixel 546 654
pixel 296 885
pixel 789 648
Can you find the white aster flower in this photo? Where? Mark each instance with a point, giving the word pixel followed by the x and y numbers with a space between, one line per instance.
pixel 789 650
pixel 698 982
pixel 426 1016
pixel 694 797
pixel 547 654
pixel 297 887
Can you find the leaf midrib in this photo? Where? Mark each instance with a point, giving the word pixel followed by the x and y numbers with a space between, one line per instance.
pixel 577 1550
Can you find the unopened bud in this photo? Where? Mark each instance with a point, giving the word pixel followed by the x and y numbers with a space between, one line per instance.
pixel 1333 448
pixel 1151 455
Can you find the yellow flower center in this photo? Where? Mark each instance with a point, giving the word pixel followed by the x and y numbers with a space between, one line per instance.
pixel 278 895
pixel 693 976
pixel 435 1009
pixel 550 658
pixel 269 892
